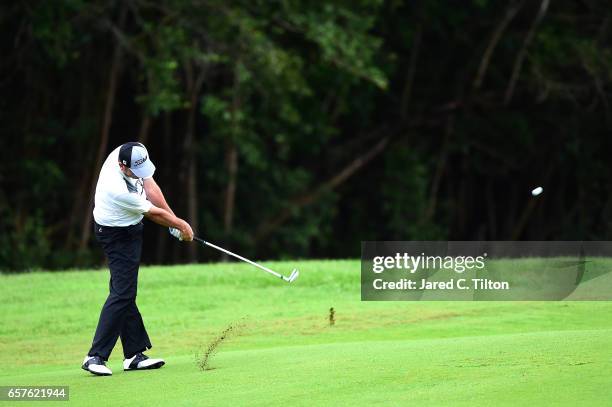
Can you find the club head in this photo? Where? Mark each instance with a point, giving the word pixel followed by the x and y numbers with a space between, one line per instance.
pixel 293 276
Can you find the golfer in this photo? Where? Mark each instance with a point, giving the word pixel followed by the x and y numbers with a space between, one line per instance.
pixel 125 193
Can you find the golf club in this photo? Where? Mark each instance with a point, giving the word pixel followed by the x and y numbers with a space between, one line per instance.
pixel 292 277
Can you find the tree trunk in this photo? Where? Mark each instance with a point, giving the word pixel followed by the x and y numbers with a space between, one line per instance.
pixel 163 236
pixel 145 126
pixel 106 123
pixel 511 12
pixel 86 104
pixel 414 56
pixel 491 211
pixel 192 200
pixel 231 163
pixel 193 90
pixel 440 169
pixel 231 160
pixel 230 192
pixel 518 63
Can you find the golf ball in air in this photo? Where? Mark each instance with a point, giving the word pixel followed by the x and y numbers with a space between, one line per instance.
pixel 537 191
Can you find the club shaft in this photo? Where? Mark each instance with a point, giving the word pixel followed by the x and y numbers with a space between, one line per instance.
pixel 197 239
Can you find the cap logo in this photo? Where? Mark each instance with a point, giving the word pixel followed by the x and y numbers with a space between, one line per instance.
pixel 140 161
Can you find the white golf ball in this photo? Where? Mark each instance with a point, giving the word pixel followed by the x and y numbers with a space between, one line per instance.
pixel 537 191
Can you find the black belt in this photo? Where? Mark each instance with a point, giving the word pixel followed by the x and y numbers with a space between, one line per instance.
pixel 98 226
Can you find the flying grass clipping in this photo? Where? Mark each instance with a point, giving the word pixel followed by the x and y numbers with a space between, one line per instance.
pixel 203 357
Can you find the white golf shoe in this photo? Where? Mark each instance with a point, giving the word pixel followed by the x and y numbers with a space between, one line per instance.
pixel 96 365
pixel 141 361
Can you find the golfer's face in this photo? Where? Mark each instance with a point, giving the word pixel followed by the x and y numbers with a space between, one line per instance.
pixel 127 171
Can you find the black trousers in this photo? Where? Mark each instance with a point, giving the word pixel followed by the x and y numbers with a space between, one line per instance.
pixel 120 316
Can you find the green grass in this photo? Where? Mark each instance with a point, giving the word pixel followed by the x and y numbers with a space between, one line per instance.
pixel 380 353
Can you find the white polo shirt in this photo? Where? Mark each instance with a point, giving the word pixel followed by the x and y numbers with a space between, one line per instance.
pixel 120 200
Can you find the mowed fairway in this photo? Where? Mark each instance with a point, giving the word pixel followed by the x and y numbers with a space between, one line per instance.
pixel 380 353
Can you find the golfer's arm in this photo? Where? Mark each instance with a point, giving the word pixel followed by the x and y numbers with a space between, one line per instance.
pixel 155 195
pixel 165 218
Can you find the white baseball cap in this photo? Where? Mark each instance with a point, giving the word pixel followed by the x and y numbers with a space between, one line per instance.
pixel 136 157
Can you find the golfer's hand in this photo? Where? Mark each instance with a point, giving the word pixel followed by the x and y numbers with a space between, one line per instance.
pixel 175 232
pixel 186 232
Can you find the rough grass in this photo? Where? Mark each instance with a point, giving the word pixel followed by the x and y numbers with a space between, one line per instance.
pixel 385 353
